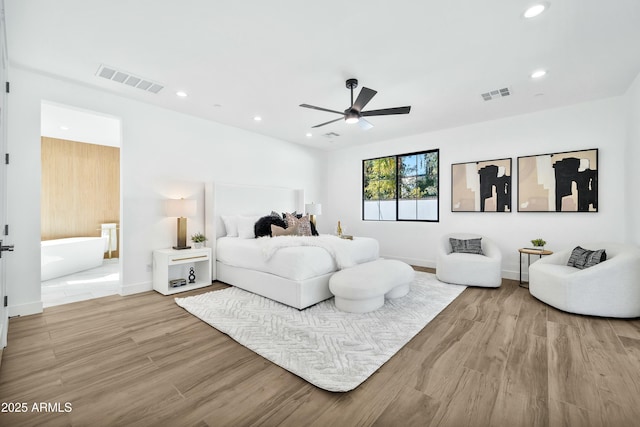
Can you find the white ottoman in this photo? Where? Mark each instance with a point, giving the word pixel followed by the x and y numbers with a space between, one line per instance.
pixel 364 287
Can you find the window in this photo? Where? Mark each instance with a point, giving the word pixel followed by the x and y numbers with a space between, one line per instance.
pixel 401 188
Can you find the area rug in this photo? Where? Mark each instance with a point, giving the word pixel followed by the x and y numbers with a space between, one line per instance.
pixel 329 348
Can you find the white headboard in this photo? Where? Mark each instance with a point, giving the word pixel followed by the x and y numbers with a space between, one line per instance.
pixel 233 199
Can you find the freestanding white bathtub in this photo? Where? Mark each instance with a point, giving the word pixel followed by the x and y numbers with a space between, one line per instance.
pixel 61 257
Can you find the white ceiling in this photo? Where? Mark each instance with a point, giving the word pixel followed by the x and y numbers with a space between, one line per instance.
pixel 73 124
pixel 239 59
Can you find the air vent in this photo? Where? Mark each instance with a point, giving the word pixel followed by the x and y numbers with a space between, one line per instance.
pixel 494 94
pixel 331 135
pixel 111 73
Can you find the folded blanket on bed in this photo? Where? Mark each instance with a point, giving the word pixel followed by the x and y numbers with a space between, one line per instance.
pixel 339 249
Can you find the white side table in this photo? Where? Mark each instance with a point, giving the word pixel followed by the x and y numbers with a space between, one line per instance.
pixel 171 264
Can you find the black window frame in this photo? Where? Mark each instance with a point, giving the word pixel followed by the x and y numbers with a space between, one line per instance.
pixel 397 186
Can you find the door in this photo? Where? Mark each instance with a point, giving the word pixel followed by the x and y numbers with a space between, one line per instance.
pixel 4 319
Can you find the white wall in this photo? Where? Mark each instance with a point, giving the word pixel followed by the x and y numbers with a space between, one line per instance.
pixel 600 124
pixel 633 163
pixel 164 155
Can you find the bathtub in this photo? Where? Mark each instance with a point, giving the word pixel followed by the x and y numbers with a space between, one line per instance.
pixel 61 257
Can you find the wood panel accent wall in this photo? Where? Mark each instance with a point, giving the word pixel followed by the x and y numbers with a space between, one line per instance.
pixel 80 188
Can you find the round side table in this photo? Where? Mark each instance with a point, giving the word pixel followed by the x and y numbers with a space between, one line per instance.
pixel 529 252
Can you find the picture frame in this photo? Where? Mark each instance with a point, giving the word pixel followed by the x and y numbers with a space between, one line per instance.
pixel 481 186
pixel 559 182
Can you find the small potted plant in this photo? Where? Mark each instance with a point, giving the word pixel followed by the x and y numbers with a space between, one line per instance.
pixel 538 244
pixel 198 240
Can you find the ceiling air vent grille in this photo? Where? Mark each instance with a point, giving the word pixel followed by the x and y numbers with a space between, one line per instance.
pixel 110 73
pixel 494 94
pixel 331 135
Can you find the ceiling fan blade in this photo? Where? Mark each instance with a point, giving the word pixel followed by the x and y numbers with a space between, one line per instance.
pixel 364 125
pixel 322 109
pixel 363 98
pixel 386 111
pixel 332 121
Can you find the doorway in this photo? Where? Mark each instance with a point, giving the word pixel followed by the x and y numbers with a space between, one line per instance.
pixel 4 316
pixel 80 204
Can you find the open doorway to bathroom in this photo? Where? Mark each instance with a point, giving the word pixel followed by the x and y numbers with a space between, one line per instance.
pixel 80 204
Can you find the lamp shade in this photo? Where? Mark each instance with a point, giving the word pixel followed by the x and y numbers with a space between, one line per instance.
pixel 180 208
pixel 313 208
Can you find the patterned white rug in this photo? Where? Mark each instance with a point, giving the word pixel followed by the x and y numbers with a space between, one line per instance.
pixel 331 349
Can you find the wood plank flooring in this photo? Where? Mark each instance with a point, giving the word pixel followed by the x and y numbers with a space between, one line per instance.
pixel 494 357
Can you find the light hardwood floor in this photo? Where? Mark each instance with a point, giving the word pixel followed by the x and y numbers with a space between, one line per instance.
pixel 494 357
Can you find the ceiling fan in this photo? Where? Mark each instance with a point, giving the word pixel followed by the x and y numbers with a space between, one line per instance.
pixel 354 114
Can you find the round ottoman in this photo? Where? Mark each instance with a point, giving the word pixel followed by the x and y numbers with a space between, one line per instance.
pixel 364 287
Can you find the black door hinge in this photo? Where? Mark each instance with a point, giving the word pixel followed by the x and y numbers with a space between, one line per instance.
pixel 6 301
pixel 7 87
pixel 6 158
pixel 6 229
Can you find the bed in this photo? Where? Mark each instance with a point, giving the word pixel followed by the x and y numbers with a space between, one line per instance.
pixel 292 270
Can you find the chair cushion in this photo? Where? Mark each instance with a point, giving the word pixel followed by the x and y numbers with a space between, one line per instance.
pixel 583 258
pixel 466 246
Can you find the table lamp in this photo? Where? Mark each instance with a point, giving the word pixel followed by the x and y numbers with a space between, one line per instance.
pixel 313 209
pixel 181 209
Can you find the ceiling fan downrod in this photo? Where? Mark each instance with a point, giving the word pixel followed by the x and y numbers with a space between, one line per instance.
pixel 352 84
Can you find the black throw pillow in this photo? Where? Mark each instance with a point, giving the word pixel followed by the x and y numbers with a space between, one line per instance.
pixel 466 246
pixel 584 258
pixel 263 225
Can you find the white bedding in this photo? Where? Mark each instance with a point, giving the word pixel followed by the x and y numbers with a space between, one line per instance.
pixel 303 260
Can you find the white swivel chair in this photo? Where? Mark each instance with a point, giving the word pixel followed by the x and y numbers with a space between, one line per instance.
pixel 469 269
pixel 609 289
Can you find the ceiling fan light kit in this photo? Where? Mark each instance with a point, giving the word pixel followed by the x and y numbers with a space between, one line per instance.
pixel 354 113
pixel 351 117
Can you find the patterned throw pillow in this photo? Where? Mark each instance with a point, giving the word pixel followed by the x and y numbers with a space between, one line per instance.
pixel 303 224
pixel 469 246
pixel 284 216
pixel 583 258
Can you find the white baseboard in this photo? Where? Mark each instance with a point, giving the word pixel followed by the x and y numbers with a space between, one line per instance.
pixel 514 275
pixel 25 309
pixel 412 261
pixel 136 288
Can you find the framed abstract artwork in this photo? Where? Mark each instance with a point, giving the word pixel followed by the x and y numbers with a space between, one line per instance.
pixel 483 186
pixel 559 182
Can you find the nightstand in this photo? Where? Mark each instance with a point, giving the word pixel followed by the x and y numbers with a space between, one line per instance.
pixel 171 264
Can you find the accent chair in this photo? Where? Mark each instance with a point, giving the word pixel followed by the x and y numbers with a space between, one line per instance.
pixel 610 288
pixel 469 268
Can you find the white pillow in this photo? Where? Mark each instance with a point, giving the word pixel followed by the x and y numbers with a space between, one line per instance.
pixel 230 225
pixel 246 226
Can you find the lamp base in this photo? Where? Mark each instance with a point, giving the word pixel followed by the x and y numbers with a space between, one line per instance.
pixel 181 238
pixel 181 247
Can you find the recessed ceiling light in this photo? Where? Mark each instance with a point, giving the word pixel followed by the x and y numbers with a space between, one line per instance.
pixel 309 135
pixel 257 118
pixel 181 94
pixel 535 10
pixel 64 127
pixel 538 73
